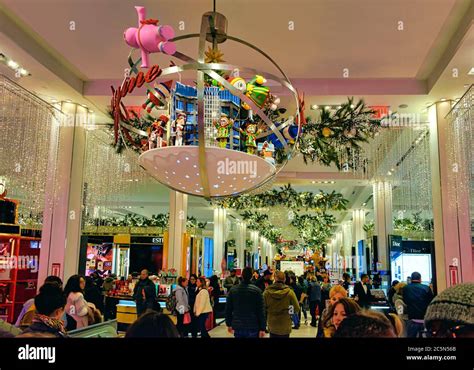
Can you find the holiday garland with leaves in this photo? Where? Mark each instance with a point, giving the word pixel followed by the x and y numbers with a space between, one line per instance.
pixel 134 220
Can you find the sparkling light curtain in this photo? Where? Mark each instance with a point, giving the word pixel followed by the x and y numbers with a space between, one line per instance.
pixel 460 147
pixel 110 178
pixel 26 139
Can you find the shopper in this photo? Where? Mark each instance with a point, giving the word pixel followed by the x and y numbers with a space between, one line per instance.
pixel 362 292
pixel 397 324
pixel 391 293
pixel 255 277
pixel 191 300
pixel 451 313
pixel 202 306
pixel 264 281
pixel 25 318
pixel 326 327
pixel 215 292
pixel 245 315
pixel 314 298
pixel 346 283
pixel 280 303
pixel 78 311
pixel 417 297
pixel 298 290
pixel 144 293
pixel 182 305
pixel 304 298
pixel 47 321
pixel 231 280
pixel 338 313
pixel 365 324
pixel 93 294
pixel 325 288
pixel 152 324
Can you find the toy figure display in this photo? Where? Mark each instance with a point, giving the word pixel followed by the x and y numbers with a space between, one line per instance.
pixel 257 92
pixel 266 150
pixel 179 125
pixel 251 132
pixel 157 130
pixel 157 97
pixel 223 127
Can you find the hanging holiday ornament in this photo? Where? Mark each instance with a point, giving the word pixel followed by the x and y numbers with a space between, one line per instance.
pixel 198 160
pixel 326 131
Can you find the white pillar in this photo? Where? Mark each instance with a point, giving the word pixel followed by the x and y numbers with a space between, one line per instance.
pixel 347 245
pixel 452 227
pixel 382 195
pixel 60 243
pixel 177 228
pixel 254 237
pixel 358 233
pixel 240 240
pixel 219 239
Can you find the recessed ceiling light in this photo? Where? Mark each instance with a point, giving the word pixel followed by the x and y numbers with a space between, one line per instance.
pixel 402 106
pixel 12 64
pixel 313 182
pixel 443 99
pixel 23 72
pixel 471 72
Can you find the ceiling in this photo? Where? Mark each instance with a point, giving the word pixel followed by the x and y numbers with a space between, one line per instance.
pixel 387 65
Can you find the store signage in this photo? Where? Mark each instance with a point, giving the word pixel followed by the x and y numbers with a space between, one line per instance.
pixel 453 275
pixel 56 269
pixel 127 87
pixel 157 240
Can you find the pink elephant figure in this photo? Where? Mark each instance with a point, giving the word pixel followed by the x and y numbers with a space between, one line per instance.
pixel 149 37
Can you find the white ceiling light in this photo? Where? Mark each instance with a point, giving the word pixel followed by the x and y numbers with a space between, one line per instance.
pixel 314 107
pixel 12 64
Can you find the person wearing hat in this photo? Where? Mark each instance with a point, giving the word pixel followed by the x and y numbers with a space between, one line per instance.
pixel 264 281
pixel 417 297
pixel 451 313
pixel 178 128
pixel 157 130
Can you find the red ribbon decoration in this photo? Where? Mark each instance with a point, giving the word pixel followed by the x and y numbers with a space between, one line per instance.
pixel 150 21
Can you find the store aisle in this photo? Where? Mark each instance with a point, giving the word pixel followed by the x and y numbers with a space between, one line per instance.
pixel 303 332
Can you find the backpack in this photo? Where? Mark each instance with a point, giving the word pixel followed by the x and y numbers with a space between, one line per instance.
pixel 171 302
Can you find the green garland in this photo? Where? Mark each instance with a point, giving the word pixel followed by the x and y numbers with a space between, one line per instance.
pixel 336 132
pixel 416 223
pixel 133 220
pixel 288 197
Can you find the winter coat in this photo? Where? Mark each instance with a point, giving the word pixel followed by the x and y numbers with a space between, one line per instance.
pixel 245 308
pixel 182 301
pixel 192 294
pixel 280 303
pixel 78 309
pixel 261 282
pixel 230 281
pixel 144 293
pixel 314 292
pixel 203 303
pixel 417 297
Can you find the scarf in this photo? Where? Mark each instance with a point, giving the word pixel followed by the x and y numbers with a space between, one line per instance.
pixel 54 324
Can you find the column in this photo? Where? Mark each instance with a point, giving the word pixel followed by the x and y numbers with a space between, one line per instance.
pixel 452 228
pixel 254 237
pixel 382 195
pixel 347 261
pixel 61 235
pixel 219 239
pixel 240 241
pixel 177 228
pixel 358 233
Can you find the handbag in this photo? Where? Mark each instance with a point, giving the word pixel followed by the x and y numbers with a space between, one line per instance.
pixel 187 318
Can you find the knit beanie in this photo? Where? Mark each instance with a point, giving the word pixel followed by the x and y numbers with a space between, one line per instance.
pixel 454 304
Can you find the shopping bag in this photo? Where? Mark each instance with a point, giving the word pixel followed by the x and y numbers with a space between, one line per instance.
pixel 187 318
pixel 210 321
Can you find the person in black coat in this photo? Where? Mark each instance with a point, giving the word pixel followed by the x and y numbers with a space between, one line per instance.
pixel 362 292
pixel 391 293
pixel 245 314
pixel 144 293
pixel 192 286
pixel 417 297
pixel 93 294
pixel 265 280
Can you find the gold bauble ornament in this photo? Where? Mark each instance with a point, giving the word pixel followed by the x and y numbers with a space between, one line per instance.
pixel 326 132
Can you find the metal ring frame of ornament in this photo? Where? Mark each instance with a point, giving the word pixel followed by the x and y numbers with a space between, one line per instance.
pixel 210 69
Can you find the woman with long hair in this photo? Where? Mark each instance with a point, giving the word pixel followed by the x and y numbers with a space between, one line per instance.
pixel 202 306
pixel 77 309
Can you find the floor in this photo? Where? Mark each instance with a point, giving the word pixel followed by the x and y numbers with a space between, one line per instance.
pixel 305 331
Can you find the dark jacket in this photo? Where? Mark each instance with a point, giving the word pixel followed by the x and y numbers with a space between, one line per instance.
pixel 297 289
pixel 148 287
pixel 244 308
pixel 314 292
pixel 93 294
pixel 230 281
pixel 261 283
pixel 417 297
pixel 280 303
pixel 192 294
pixel 364 298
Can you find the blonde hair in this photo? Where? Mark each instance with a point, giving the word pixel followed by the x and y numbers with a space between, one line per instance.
pixel 337 289
pixel 397 324
pixel 399 287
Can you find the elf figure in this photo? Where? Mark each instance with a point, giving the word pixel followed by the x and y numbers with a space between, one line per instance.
pixel 155 137
pixel 156 98
pixel 267 150
pixel 257 92
pixel 179 125
pixel 251 132
pixel 223 127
